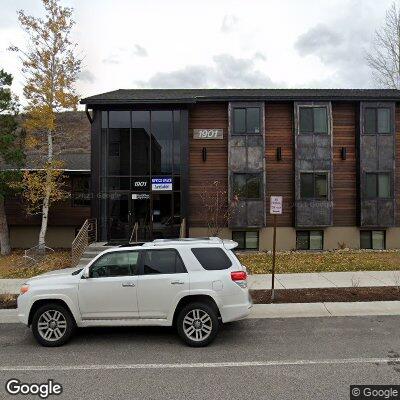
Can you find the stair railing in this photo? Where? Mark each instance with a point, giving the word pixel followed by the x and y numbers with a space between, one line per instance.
pixel 182 229
pixel 134 233
pixel 86 235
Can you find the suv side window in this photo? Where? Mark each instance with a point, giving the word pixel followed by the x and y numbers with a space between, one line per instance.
pixel 212 258
pixel 165 261
pixel 119 263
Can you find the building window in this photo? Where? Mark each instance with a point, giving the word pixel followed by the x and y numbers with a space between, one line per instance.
pixel 247 186
pixel 80 191
pixel 377 120
pixel 313 185
pixel 247 240
pixel 377 185
pixel 246 120
pixel 309 240
pixel 372 240
pixel 313 120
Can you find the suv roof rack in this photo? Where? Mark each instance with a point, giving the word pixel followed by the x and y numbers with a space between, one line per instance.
pixel 229 244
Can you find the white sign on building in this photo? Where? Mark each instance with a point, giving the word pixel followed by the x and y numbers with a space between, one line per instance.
pixel 275 205
pixel 158 184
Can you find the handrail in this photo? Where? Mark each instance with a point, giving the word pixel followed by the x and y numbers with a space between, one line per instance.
pixel 134 232
pixel 87 234
pixel 182 229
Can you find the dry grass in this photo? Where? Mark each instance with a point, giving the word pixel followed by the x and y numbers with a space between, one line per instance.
pixel 346 260
pixel 14 266
pixel 257 262
pixel 8 300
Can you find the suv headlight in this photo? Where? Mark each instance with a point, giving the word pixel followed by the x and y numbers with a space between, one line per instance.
pixel 24 289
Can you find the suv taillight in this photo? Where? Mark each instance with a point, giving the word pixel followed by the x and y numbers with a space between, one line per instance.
pixel 240 278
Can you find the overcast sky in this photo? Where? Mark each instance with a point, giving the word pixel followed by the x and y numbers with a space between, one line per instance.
pixel 211 43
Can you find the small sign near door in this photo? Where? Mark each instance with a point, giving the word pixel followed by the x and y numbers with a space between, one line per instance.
pixel 275 205
pixel 159 184
pixel 137 196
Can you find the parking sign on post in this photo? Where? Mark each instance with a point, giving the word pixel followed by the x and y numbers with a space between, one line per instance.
pixel 275 208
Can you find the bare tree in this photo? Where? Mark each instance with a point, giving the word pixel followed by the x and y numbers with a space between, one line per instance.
pixel 384 57
pixel 216 210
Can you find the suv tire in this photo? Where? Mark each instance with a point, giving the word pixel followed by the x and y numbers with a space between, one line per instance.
pixel 52 325
pixel 197 324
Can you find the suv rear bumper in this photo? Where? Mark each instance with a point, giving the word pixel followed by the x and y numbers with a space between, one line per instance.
pixel 236 312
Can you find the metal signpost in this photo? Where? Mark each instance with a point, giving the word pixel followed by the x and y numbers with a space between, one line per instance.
pixel 275 208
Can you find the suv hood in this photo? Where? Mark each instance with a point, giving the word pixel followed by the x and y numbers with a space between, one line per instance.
pixel 58 272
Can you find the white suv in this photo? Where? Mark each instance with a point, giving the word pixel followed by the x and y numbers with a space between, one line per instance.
pixel 192 284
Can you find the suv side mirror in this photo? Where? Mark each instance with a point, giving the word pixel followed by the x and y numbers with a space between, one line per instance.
pixel 85 274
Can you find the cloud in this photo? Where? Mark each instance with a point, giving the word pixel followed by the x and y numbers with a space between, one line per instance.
pixel 226 71
pixel 86 76
pixel 340 46
pixel 111 59
pixel 229 23
pixel 139 51
pixel 320 40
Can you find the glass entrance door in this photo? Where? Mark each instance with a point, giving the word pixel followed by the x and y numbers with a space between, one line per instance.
pixel 140 217
pixel 164 225
pixel 118 217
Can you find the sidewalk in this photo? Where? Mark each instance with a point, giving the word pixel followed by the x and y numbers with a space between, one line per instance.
pixel 293 310
pixel 288 281
pixel 326 280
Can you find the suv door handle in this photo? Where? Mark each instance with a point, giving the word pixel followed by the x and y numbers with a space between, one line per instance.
pixel 177 283
pixel 128 284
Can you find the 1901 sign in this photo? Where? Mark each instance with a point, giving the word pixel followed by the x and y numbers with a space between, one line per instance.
pixel 208 133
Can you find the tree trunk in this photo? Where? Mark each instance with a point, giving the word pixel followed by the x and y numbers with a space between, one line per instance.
pixel 4 234
pixel 46 199
pixel 45 217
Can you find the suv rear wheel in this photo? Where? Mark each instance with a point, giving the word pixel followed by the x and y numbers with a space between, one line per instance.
pixel 197 324
pixel 52 325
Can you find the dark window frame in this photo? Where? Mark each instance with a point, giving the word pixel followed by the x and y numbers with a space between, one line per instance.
pixel 142 260
pixel 248 176
pixel 138 263
pixel 376 174
pixel 312 131
pixel 314 174
pixel 74 192
pixel 370 232
pixel 244 232
pixel 246 131
pixel 308 231
pixel 375 108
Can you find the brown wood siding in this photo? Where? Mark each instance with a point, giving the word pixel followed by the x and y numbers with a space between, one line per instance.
pixel 202 174
pixel 397 167
pixel 344 171
pixel 280 174
pixel 61 213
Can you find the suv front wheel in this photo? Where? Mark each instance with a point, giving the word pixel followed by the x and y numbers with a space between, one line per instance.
pixel 52 325
pixel 197 324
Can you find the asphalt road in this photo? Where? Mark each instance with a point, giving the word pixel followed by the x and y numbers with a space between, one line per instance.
pixel 297 358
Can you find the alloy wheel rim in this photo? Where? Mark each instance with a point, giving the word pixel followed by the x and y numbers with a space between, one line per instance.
pixel 52 325
pixel 197 325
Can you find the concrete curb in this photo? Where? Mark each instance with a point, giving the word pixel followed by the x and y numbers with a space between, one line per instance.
pixel 293 310
pixel 333 309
